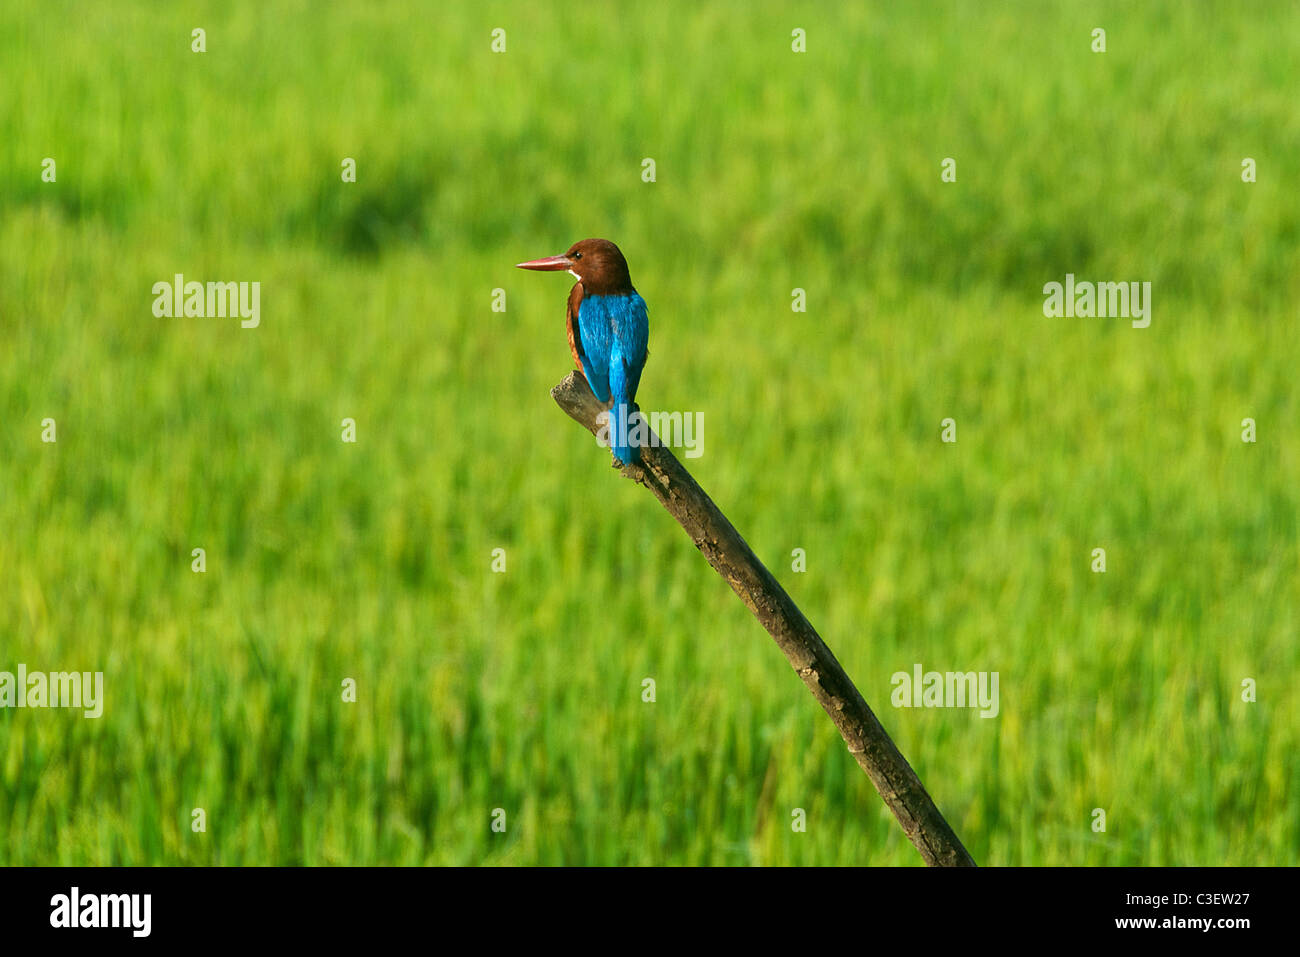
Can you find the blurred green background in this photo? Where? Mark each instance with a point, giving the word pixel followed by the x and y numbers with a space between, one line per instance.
pixel 775 170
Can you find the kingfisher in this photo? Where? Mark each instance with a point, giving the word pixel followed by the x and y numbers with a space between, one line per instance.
pixel 608 331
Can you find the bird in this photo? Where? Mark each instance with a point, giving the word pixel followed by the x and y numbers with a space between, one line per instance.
pixel 609 332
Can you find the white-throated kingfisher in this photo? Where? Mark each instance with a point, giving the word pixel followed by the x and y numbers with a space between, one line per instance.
pixel 608 331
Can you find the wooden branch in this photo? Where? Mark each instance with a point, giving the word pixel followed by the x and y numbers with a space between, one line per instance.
pixel 735 561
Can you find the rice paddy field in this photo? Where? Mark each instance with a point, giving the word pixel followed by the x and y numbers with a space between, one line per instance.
pixel 431 645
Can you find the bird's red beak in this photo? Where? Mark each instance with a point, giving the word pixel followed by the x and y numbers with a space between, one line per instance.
pixel 549 264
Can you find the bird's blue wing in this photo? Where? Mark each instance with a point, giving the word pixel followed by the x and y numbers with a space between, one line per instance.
pixel 597 341
pixel 631 337
pixel 631 331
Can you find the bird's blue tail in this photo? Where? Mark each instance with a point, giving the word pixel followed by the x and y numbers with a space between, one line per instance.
pixel 625 448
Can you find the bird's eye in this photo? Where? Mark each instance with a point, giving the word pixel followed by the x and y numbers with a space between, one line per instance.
pixel 577 255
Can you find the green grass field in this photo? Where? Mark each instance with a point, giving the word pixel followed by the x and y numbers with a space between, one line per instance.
pixel 775 170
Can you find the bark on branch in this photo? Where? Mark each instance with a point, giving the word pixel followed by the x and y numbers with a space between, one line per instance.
pixel 736 562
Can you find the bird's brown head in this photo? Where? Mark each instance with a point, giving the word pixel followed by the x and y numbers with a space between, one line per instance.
pixel 597 263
